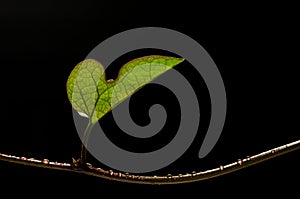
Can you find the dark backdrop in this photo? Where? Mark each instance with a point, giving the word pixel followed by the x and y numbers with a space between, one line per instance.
pixel 254 46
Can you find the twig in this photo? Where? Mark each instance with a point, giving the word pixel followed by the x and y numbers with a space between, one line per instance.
pixel 88 169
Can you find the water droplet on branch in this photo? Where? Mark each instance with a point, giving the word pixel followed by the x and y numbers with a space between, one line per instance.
pixel 240 161
pixel 111 172
pixel 23 158
pixel 221 167
pixel 248 158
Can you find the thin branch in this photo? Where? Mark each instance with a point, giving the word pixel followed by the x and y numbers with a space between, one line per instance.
pixel 88 169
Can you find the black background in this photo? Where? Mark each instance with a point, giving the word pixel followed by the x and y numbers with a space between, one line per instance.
pixel 254 46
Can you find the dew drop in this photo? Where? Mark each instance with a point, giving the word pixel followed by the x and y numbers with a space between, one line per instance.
pixel 221 167
pixel 99 170
pixel 180 175
pixel 194 173
pixel 45 161
pixel 89 165
pixel 240 161
pixel 273 151
pixel 169 176
pixel 120 174
pixel 111 172
pixel 248 157
pixel 126 175
pixel 23 158
pixel 110 80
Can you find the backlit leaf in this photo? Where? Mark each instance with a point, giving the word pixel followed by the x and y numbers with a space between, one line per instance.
pixel 93 96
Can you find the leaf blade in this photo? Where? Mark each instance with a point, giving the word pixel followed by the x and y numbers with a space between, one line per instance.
pixel 82 85
pixel 91 94
pixel 138 72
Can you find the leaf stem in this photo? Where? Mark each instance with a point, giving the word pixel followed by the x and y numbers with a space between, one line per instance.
pixel 85 139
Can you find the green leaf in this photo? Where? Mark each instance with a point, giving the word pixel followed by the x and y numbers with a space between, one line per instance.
pixel 93 96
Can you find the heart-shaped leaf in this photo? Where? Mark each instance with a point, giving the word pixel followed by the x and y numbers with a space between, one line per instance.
pixel 93 96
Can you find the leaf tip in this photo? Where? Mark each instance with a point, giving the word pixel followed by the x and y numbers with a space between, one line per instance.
pixel 181 59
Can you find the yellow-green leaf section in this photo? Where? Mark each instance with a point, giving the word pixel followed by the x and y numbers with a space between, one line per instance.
pixel 93 96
